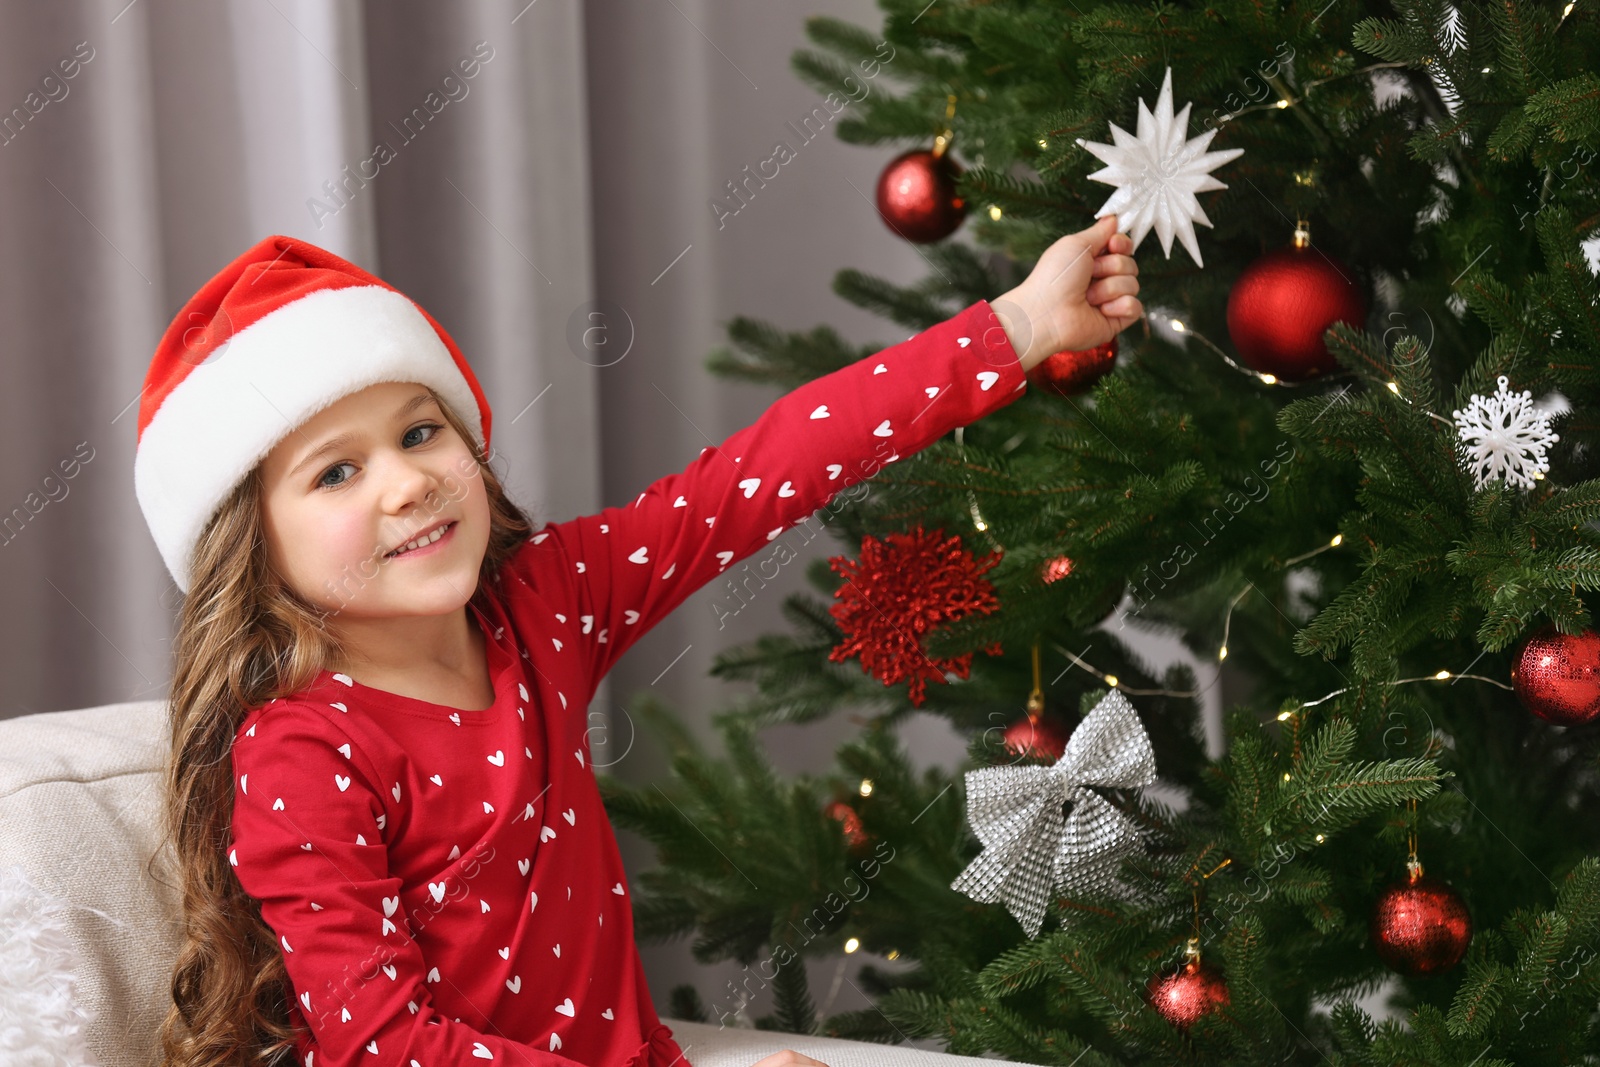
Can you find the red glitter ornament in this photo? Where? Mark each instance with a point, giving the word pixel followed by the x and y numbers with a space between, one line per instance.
pixel 917 195
pixel 1420 926
pixel 1071 373
pixel 1056 569
pixel 903 587
pixel 1196 989
pixel 1037 736
pixel 1281 305
pixel 855 835
pixel 1557 676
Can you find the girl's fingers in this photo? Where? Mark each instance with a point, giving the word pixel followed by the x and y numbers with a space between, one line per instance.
pixel 1110 287
pixel 1108 265
pixel 1123 307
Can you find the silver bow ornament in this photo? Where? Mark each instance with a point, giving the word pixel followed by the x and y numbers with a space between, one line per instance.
pixel 1029 847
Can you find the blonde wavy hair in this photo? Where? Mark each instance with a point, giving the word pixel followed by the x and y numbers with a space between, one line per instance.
pixel 244 637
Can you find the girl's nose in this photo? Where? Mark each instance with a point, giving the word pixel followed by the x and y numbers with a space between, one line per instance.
pixel 408 484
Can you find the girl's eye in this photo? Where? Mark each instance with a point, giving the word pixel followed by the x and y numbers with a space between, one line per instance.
pixel 324 483
pixel 424 426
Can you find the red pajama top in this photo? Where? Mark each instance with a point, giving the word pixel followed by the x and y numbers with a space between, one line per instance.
pixel 445 884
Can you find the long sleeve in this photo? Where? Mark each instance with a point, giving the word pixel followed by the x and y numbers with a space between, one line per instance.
pixel 611 576
pixel 308 843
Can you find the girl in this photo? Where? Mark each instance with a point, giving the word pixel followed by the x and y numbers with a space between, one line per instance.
pixel 393 843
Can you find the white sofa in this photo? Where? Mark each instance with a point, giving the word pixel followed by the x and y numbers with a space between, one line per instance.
pixel 89 911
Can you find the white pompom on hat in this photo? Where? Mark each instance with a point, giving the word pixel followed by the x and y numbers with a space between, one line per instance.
pixel 277 335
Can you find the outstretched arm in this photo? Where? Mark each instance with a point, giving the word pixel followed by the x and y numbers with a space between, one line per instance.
pixel 611 576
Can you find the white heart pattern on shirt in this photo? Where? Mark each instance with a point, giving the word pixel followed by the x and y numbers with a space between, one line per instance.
pixel 725 557
pixel 342 782
pixel 834 470
pixel 345 678
pixel 557 951
pixel 396 792
pixel 390 903
pixel 772 534
pixel 630 617
pixel 389 970
pixel 505 953
pixel 278 804
pixel 555 1041
pixel 821 412
pixel 435 779
pixel 522 865
pixel 538 538
pixel 750 485
pixel 455 718
pixel 880 369
pixel 963 341
pixel 566 1008
pixel 571 815
pixel 340 706
pixel 305 998
pixel 514 983
pixel 607 1014
pixel 372 1046
pixel 883 430
pixel 244 784
pixel 436 889
pixel 480 1050
pixel 545 833
pixel 617 889
pixel 987 378
pixel 433 975
pixel 487 807
pixel 786 489
pixel 640 555
pixel 522 691
pixel 533 900
pixel 344 750
pixel 498 759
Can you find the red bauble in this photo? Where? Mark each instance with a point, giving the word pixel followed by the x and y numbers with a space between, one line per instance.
pixel 917 196
pixel 1282 304
pixel 1071 373
pixel 1042 737
pixel 855 835
pixel 903 587
pixel 1557 676
pixel 1196 989
pixel 1056 569
pixel 1420 926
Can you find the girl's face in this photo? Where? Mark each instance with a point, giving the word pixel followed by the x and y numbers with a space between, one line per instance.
pixel 358 480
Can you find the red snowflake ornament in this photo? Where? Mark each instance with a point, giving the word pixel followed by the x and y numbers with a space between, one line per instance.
pixel 903 587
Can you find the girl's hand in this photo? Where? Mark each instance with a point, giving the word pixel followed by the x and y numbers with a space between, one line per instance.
pixel 788 1058
pixel 1080 294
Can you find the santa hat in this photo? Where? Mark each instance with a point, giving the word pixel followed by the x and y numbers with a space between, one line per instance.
pixel 276 336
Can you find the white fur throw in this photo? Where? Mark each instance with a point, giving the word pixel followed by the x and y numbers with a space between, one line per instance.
pixel 41 1023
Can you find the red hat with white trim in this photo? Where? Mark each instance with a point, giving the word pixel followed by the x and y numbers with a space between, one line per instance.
pixel 277 335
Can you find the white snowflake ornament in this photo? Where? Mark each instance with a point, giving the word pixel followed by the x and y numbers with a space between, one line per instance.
pixel 1505 436
pixel 1157 174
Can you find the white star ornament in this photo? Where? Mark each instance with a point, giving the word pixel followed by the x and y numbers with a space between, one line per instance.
pixel 1157 174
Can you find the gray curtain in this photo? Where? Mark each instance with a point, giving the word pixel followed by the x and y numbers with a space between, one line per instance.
pixel 574 173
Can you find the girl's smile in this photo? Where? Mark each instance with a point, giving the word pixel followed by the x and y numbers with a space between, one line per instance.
pixel 430 541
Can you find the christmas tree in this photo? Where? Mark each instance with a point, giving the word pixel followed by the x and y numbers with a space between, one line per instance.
pixel 1349 451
